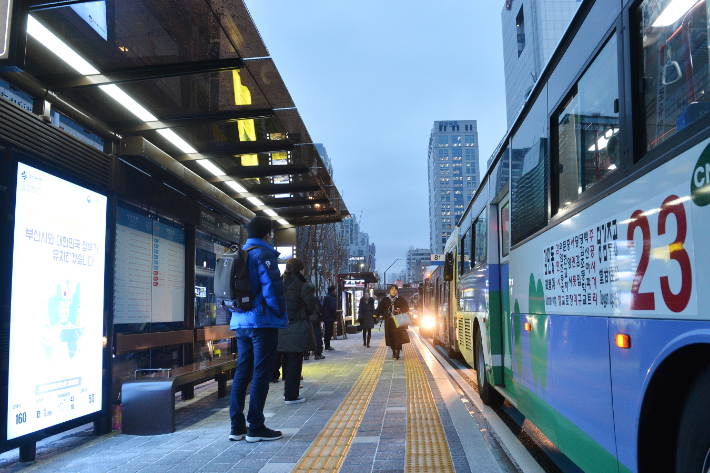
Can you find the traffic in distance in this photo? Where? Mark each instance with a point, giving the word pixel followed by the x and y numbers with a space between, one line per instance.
pixel 574 281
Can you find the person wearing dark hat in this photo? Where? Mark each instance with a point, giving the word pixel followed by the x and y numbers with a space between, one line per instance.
pixel 389 306
pixel 257 335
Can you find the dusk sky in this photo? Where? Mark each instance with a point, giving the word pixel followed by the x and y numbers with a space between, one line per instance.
pixel 370 78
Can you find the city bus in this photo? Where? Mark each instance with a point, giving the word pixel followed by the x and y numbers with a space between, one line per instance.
pixel 576 282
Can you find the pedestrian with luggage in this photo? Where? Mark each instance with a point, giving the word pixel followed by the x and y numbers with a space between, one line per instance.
pixel 257 332
pixel 330 315
pixel 299 338
pixel 389 306
pixel 366 318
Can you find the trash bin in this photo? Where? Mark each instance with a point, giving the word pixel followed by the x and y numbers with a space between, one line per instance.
pixel 352 329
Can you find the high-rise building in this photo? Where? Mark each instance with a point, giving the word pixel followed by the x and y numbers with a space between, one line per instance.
pixel 453 176
pixel 531 31
pixel 417 261
pixel 361 254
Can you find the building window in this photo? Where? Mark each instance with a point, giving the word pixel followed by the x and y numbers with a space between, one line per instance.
pixel 520 30
pixel 457 153
pixel 470 155
pixel 469 140
pixel 455 140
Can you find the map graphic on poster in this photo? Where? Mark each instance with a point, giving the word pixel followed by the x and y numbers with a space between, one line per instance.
pixel 57 303
pixel 149 278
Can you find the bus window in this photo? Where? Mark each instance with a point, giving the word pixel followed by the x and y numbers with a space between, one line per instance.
pixel 479 238
pixel 588 128
pixel 505 229
pixel 673 67
pixel 465 263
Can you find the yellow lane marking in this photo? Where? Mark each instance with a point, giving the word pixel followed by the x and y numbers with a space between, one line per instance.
pixel 427 449
pixel 329 449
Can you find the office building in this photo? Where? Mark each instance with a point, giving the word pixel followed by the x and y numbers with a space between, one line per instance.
pixel 531 31
pixel 361 254
pixel 453 176
pixel 417 261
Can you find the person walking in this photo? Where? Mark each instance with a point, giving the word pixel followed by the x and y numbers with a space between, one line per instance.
pixel 389 306
pixel 300 303
pixel 316 318
pixel 257 332
pixel 330 315
pixel 366 318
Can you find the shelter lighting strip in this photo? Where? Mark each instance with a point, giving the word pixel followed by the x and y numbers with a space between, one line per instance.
pixel 78 63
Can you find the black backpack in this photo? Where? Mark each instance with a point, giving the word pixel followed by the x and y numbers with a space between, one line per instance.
pixel 231 279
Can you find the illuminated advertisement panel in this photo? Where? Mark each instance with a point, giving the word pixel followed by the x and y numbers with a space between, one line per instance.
pixel 57 303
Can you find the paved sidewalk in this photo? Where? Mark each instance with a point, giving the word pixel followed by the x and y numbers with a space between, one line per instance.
pixel 201 440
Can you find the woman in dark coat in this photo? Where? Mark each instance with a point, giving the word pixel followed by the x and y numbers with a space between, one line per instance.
pixel 299 338
pixel 366 319
pixel 391 305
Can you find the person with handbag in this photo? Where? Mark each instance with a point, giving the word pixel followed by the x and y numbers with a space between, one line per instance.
pixel 366 318
pixel 389 307
pixel 299 338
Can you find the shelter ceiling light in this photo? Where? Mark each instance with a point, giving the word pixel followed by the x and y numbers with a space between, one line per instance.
pixel 131 105
pixel 270 213
pixel 236 186
pixel 255 201
pixel 177 141
pixel 59 47
pixel 205 163
pixel 282 221
pixel 673 12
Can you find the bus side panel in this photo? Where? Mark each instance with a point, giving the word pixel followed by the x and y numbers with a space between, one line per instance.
pixel 579 386
pixel 492 335
pixel 652 341
pixel 474 292
pixel 511 340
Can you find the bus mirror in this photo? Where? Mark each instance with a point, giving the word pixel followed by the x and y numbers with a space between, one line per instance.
pixel 449 267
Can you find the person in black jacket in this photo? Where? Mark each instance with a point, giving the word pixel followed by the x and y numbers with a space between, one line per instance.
pixel 389 306
pixel 330 306
pixel 299 338
pixel 315 319
pixel 366 318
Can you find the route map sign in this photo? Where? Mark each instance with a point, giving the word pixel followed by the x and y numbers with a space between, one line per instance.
pixel 57 303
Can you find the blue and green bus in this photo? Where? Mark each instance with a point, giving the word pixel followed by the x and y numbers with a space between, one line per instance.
pixel 577 281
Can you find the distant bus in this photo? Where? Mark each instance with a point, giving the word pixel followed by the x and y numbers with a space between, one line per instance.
pixel 577 281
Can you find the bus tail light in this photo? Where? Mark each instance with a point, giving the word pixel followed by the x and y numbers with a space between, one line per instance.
pixel 528 326
pixel 623 340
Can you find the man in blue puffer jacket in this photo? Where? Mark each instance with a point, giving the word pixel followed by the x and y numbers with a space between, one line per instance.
pixel 257 335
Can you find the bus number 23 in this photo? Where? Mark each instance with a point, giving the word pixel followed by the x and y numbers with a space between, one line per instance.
pixel 646 300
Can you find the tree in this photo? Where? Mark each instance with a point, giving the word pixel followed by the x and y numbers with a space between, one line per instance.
pixel 323 250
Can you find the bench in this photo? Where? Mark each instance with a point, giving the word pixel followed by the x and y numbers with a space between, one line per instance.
pixel 148 402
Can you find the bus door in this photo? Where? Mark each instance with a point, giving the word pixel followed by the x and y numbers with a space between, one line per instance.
pixel 508 325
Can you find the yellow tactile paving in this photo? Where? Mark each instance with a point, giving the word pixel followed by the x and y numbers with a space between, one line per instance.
pixel 329 449
pixel 427 449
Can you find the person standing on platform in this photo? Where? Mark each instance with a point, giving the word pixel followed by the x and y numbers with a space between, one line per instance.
pixel 299 338
pixel 389 306
pixel 366 319
pixel 330 315
pixel 257 333
pixel 315 319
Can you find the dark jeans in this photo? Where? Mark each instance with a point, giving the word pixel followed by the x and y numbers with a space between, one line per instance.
pixel 319 336
pixel 256 349
pixel 277 365
pixel 328 333
pixel 366 335
pixel 292 365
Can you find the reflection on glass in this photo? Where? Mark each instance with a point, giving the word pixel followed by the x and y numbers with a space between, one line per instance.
pixel 208 310
pixel 505 229
pixel 588 126
pixel 279 159
pixel 247 132
pixel 674 66
pixel 480 242
pixel 466 253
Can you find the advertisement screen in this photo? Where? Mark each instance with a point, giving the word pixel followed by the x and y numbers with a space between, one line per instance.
pixel 57 303
pixel 94 13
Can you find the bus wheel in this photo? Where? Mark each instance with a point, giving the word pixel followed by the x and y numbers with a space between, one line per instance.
pixel 450 352
pixel 489 395
pixel 693 447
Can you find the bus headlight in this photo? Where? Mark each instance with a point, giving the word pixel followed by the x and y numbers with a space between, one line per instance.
pixel 427 323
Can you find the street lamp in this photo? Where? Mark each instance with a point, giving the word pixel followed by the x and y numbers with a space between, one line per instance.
pixel 385 278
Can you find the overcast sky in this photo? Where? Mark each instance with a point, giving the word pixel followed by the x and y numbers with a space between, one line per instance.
pixel 369 79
